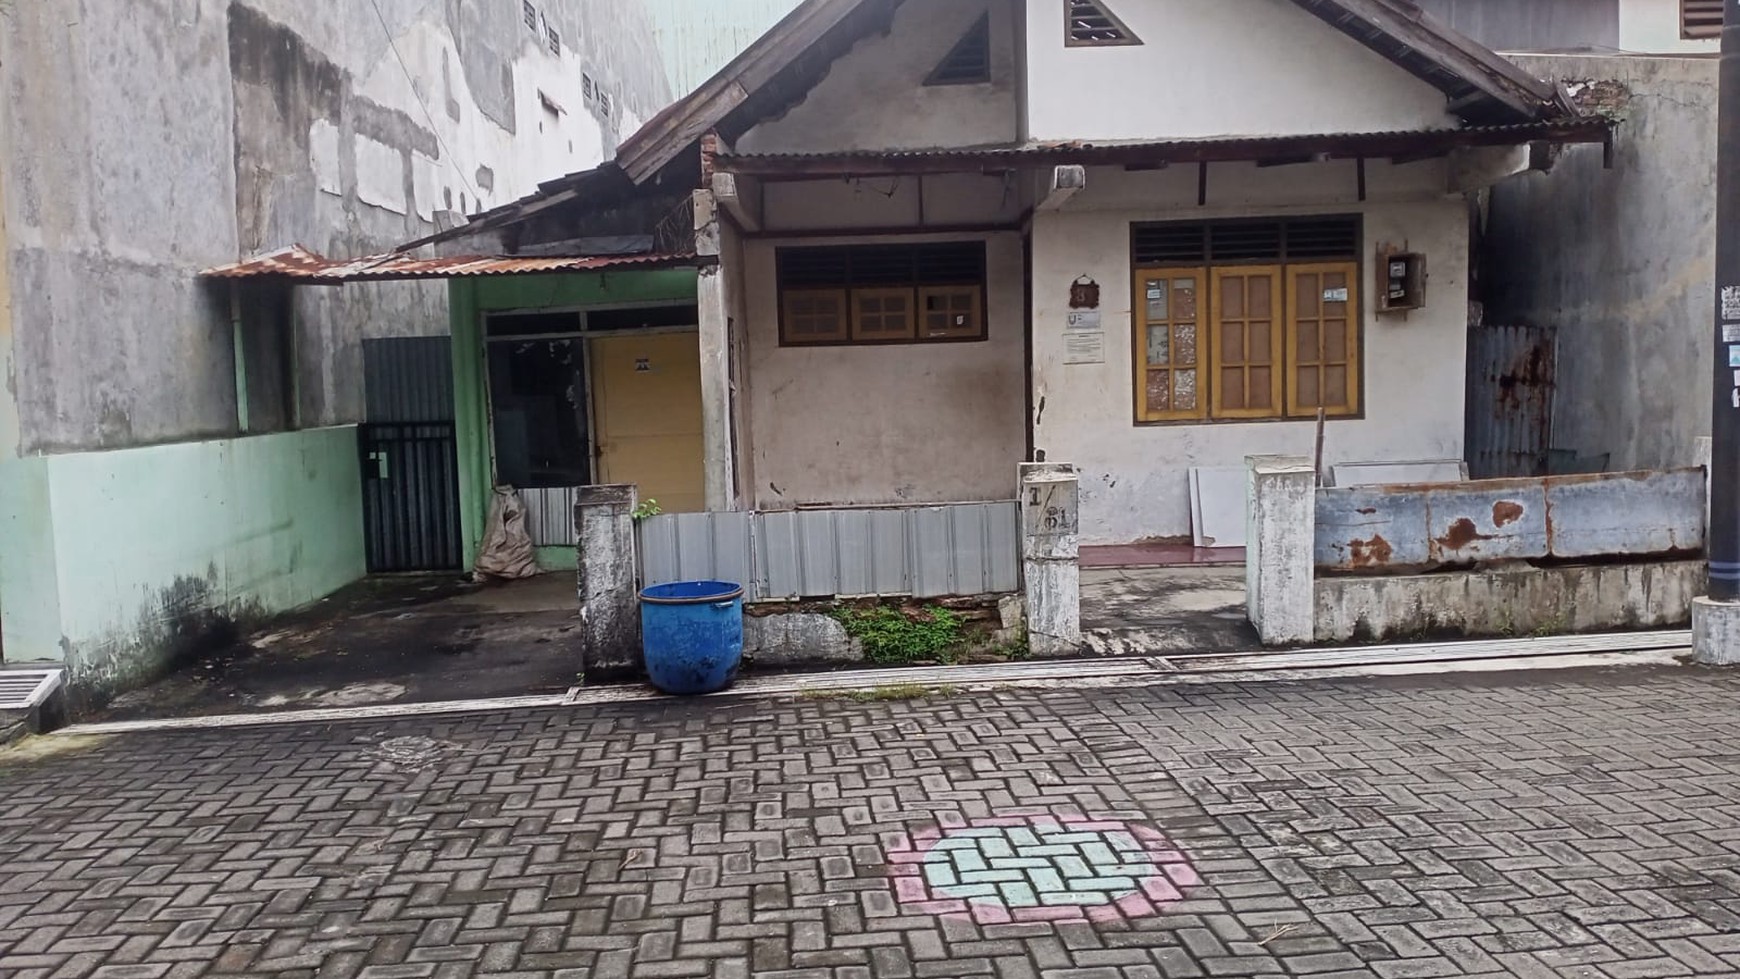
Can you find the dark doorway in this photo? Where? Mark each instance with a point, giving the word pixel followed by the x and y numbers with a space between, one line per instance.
pixel 410 456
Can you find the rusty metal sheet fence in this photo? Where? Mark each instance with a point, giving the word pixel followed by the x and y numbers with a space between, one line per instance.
pixel 1422 526
pixel 925 552
pixel 1511 378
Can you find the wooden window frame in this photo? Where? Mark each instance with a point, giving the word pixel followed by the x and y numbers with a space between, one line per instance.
pixel 1277 347
pixel 975 290
pixel 1286 326
pixel 1354 349
pixel 907 335
pixel 842 335
pixel 1139 347
pixel 916 290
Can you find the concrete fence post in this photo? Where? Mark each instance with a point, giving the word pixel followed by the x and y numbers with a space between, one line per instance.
pixel 608 580
pixel 1051 555
pixel 1279 551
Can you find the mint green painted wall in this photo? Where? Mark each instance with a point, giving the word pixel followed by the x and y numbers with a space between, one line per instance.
pixel 150 544
pixel 468 300
pixel 29 589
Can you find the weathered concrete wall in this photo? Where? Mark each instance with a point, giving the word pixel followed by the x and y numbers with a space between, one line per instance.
pixel 875 96
pixel 1135 478
pixel 895 423
pixel 1621 261
pixel 1510 601
pixel 139 557
pixel 146 140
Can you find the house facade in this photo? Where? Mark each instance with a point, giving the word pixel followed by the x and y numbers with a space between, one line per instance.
pixel 946 240
pixel 177 455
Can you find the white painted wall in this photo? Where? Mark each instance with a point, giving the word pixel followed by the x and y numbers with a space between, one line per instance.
pixel 698 39
pixel 1135 479
pixel 875 97
pixel 1231 67
pixel 910 423
pixel 1653 27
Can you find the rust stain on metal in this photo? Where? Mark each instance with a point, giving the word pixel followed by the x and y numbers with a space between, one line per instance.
pixel 1372 553
pixel 1506 512
pixel 297 262
pixel 1461 534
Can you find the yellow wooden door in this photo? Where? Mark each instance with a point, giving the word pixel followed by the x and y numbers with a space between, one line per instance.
pixel 647 395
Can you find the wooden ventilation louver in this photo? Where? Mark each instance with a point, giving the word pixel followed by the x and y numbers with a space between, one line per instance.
pixel 1090 23
pixel 969 62
pixel 1700 18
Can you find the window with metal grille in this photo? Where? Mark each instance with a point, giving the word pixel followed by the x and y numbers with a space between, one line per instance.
pixel 905 293
pixel 531 15
pixel 1090 23
pixel 588 91
pixel 969 62
pixel 1259 240
pixel 1246 320
pixel 555 40
pixel 1700 18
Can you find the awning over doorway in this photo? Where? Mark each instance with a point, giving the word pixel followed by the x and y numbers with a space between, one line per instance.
pixel 298 264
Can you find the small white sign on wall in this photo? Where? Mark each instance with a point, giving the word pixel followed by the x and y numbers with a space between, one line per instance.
pixel 1085 319
pixel 1084 347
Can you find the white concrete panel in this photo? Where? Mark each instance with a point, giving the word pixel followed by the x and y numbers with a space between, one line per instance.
pixel 1135 478
pixel 875 97
pixel 1231 67
pixel 1653 27
pixel 894 202
pixel 909 423
pixel 380 175
pixel 426 186
pixel 323 156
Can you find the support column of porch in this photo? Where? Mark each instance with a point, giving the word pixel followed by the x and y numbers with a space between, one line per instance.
pixel 1051 552
pixel 719 480
pixel 1280 567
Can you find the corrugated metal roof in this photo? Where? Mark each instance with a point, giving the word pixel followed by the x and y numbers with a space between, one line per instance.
pixel 297 262
pixel 1592 129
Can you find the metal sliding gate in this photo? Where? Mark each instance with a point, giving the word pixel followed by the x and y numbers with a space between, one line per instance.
pixel 410 457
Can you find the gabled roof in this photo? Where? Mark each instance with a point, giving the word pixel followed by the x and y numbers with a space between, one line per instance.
pixel 778 69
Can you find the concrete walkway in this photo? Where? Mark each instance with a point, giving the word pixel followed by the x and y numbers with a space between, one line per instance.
pixel 387 640
pixel 1156 611
pixel 1521 825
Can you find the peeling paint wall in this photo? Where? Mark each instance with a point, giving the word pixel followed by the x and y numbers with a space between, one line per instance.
pixel 1621 261
pixel 146 139
pixel 875 97
pixel 897 423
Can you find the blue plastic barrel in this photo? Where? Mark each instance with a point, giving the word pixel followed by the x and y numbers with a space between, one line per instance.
pixel 692 635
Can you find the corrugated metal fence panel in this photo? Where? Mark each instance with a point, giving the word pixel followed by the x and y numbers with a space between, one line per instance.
pixel 927 552
pixel 408 379
pixel 550 516
pixel 1511 372
pixel 1566 517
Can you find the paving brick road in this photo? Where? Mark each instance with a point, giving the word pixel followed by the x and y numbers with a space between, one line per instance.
pixel 1550 824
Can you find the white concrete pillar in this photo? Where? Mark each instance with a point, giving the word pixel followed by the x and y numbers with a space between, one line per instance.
pixel 1051 553
pixel 608 580
pixel 718 480
pixel 1281 538
pixel 1715 632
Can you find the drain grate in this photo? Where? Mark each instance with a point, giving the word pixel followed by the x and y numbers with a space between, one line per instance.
pixel 25 689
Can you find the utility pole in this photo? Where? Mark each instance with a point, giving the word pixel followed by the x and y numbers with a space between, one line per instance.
pixel 1716 619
